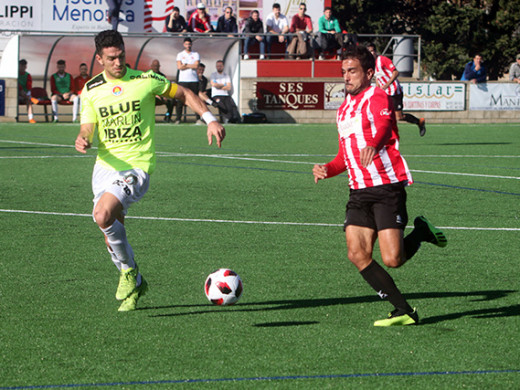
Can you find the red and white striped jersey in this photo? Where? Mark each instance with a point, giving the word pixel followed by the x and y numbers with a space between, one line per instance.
pixel 384 69
pixel 368 119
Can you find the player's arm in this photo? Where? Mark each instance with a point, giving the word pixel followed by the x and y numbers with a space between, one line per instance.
pixel 185 95
pixel 332 168
pixel 395 75
pixel 85 137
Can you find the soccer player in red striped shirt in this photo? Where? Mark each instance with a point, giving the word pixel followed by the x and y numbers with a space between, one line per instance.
pixel 386 79
pixel 378 175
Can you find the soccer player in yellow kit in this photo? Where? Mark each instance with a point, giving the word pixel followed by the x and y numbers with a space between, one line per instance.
pixel 121 103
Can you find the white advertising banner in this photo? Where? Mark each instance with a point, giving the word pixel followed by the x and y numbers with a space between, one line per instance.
pixel 434 96
pixel 494 96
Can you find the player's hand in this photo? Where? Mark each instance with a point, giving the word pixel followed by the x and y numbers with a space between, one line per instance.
pixel 82 144
pixel 366 155
pixel 319 172
pixel 216 130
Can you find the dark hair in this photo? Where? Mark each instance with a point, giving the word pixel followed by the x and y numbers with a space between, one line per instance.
pixel 219 61
pixel 276 5
pixel 255 12
pixel 327 9
pixel 61 62
pixel 371 44
pixel 176 9
pixel 187 39
pixel 22 62
pixel 82 64
pixel 201 64
pixel 108 38
pixel 362 54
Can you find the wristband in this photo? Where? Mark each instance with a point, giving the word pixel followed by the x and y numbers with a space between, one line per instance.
pixel 208 117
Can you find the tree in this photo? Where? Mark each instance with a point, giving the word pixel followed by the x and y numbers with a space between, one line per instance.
pixel 451 31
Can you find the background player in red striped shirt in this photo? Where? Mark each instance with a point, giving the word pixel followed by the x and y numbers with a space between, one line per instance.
pixel 378 175
pixel 386 79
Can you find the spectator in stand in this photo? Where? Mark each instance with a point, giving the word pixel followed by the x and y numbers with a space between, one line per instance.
pixel 220 89
pixel 330 37
pixel 301 26
pixel 276 26
pixel 155 67
pixel 514 70
pixel 114 7
pixel 254 25
pixel 24 89
pixel 227 23
pixel 79 83
pixel 187 64
pixel 475 71
pixel 176 22
pixel 62 88
pixel 199 20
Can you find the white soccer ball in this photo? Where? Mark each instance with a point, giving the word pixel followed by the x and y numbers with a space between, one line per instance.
pixel 223 287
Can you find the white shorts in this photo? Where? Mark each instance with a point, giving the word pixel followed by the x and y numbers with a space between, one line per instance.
pixel 127 186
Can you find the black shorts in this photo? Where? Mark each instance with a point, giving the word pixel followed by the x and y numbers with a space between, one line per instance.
pixel 381 207
pixel 398 102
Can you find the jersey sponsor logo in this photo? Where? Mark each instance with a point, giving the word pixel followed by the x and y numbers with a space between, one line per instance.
pixel 148 76
pixel 96 82
pixel 385 112
pixel 350 126
pixel 121 108
pixel 117 90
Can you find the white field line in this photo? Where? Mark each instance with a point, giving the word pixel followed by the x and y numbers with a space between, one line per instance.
pixel 33 212
pixel 235 157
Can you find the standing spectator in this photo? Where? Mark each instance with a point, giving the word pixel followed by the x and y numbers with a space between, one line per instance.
pixel 199 20
pixel 475 71
pixel 227 23
pixel 386 79
pixel 176 22
pixel 330 37
pixel 276 26
pixel 514 70
pixel 187 64
pixel 220 89
pixel 62 88
pixel 79 83
pixel 155 67
pixel 24 89
pixel 254 25
pixel 114 7
pixel 378 175
pixel 301 26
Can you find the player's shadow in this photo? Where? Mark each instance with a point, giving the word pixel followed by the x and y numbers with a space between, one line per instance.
pixel 475 296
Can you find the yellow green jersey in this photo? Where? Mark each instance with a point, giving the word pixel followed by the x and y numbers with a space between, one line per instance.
pixel 124 112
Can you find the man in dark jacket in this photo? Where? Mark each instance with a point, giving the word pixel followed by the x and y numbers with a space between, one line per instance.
pixel 227 23
pixel 254 25
pixel 176 22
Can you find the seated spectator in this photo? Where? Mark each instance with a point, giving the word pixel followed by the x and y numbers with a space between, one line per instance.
pixel 155 66
pixel 276 25
pixel 220 89
pixel 301 26
pixel 62 89
pixel 199 20
pixel 254 25
pixel 330 37
pixel 176 22
pixel 514 70
pixel 79 83
pixel 475 71
pixel 227 23
pixel 24 89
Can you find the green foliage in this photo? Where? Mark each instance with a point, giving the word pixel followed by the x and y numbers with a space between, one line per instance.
pixel 452 31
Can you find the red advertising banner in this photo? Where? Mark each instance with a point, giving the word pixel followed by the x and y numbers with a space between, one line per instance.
pixel 291 95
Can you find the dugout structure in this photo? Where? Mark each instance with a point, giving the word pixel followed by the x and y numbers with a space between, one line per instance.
pixel 42 51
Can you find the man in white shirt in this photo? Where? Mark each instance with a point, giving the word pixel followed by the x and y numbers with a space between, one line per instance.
pixel 220 89
pixel 276 25
pixel 187 64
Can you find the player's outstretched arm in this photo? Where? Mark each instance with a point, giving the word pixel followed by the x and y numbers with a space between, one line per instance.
pixel 319 172
pixel 85 137
pixel 215 129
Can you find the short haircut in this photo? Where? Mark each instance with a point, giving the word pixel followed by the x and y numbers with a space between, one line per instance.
pixel 61 62
pixel 276 5
pixel 82 64
pixel 327 9
pixel 176 9
pixel 255 12
pixel 305 5
pixel 22 62
pixel 201 64
pixel 219 61
pixel 108 38
pixel 362 54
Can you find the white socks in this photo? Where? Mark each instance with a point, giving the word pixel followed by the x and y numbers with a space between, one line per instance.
pixel 75 108
pixel 54 105
pixel 121 250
